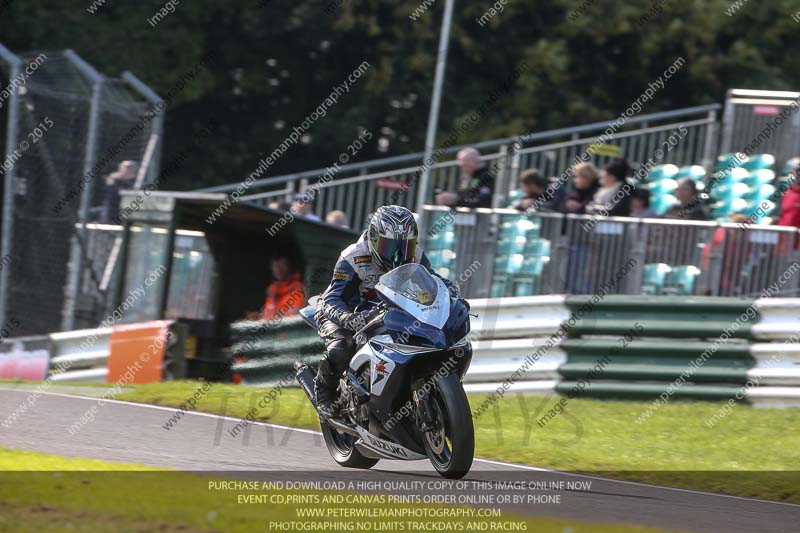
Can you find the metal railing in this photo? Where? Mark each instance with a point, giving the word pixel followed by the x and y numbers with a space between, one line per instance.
pixel 751 123
pixel 511 254
pixel 359 188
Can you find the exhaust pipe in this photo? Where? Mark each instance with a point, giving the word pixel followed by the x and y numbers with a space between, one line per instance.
pixel 305 377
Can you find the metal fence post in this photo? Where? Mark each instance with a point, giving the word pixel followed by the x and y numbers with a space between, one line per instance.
pixel 502 179
pixel 157 129
pixel 710 146
pixel 635 278
pixel 711 280
pixel 76 257
pixel 15 64
pixel 727 124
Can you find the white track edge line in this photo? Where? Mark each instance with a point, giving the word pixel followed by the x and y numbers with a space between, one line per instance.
pixel 488 461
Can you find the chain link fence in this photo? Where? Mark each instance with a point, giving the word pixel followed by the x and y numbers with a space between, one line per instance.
pixel 73 139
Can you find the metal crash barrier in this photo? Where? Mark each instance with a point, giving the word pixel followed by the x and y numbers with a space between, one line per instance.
pixel 132 353
pixel 617 346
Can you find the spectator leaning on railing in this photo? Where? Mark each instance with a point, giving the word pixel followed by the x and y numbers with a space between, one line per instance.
pixel 613 198
pixel 640 204
pixel 531 188
pixel 690 207
pixel 475 186
pixel 584 186
pixel 337 218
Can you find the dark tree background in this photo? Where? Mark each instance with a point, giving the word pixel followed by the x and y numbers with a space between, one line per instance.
pixel 276 60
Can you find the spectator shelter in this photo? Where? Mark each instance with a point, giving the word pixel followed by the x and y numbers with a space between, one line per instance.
pixel 177 260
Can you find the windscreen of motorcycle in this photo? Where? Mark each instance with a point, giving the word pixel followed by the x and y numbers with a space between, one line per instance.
pixel 414 290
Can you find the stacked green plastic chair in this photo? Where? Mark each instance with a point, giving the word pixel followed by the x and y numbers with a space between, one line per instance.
pixel 661 181
pixel 515 257
pixel 439 247
pixel 729 194
pixel 759 161
pixel 696 172
pixel 513 197
pixel 729 161
pixel 527 281
pixel 681 280
pixel 653 278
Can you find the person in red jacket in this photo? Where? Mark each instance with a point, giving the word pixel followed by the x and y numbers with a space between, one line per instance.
pixel 790 205
pixel 286 293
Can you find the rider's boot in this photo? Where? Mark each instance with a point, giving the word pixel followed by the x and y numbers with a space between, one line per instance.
pixel 325 390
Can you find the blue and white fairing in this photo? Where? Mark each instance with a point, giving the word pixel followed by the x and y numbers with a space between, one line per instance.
pixel 414 290
pixel 422 320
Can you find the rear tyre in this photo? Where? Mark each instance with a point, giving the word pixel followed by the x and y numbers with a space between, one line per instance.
pixel 342 449
pixel 451 446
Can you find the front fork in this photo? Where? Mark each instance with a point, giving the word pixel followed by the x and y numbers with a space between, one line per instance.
pixel 426 419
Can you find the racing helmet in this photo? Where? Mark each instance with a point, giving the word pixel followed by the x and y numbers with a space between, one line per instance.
pixel 392 236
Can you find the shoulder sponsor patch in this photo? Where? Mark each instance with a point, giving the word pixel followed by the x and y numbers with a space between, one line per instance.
pixel 362 259
pixel 341 274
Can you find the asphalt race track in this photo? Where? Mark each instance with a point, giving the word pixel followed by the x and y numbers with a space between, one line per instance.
pixel 199 442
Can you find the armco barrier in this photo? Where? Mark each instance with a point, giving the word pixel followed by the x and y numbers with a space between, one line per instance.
pixel 25 358
pixel 102 354
pixel 713 347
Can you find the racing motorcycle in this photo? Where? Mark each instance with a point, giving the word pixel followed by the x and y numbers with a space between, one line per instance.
pixel 401 396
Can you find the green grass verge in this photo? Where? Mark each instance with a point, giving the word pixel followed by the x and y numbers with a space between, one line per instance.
pixel 66 495
pixel 672 448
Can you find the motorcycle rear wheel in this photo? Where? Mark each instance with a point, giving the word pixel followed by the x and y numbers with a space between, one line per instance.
pixel 342 449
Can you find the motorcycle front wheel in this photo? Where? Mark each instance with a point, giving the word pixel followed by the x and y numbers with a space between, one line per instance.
pixel 450 446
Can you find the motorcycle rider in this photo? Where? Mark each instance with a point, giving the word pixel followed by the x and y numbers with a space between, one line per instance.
pixel 389 241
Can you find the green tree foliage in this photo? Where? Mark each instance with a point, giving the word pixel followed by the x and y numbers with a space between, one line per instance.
pixel 274 61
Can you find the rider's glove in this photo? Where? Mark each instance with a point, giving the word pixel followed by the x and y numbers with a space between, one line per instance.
pixel 357 321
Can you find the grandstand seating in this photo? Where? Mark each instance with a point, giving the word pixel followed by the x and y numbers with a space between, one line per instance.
pixel 745 185
pixel 522 251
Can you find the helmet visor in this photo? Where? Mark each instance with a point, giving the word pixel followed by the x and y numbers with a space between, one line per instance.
pixel 395 252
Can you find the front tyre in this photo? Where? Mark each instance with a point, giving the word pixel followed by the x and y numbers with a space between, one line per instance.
pixel 342 449
pixel 450 446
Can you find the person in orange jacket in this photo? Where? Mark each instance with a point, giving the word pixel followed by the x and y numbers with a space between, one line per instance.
pixel 286 293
